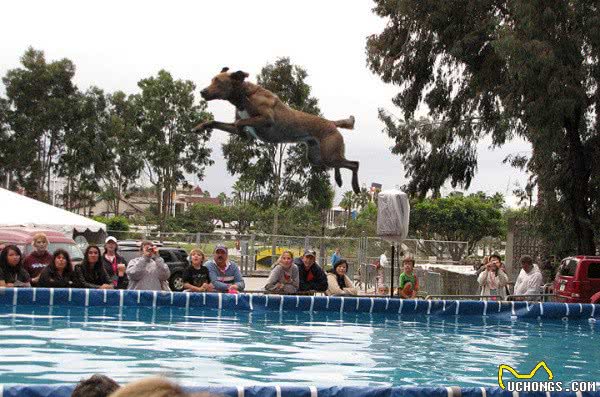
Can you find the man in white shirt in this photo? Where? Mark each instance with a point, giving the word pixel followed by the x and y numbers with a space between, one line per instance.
pixel 529 279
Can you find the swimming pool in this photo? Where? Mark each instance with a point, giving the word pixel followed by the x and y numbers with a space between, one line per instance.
pixel 61 336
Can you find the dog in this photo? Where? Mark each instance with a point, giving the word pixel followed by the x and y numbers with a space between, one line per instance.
pixel 264 116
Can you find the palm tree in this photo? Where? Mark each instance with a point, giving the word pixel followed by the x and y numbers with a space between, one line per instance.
pixel 347 203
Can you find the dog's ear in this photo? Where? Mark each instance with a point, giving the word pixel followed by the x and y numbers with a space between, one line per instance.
pixel 225 69
pixel 239 76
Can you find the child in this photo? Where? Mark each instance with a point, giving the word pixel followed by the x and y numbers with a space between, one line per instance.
pixel 409 285
pixel 284 278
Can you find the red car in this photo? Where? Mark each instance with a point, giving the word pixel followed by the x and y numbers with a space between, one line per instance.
pixel 578 279
pixel 22 237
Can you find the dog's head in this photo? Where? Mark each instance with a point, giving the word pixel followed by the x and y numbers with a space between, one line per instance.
pixel 223 85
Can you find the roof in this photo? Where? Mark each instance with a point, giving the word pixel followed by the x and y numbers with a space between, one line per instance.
pixel 18 210
pixel 24 235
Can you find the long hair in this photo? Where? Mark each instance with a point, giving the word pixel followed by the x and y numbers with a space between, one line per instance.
pixel 60 251
pixel 283 253
pixel 85 263
pixel 4 255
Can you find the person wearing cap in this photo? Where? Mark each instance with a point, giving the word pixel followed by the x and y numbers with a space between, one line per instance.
pixel 338 282
pixel 114 264
pixel 312 277
pixel 224 274
pixel 149 271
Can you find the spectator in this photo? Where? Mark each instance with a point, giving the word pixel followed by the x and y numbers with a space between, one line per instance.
pixel 284 278
pixel 493 279
pixel 383 260
pixel 336 256
pixel 483 265
pixel 529 279
pixel 12 273
pixel 35 262
pixel 91 273
pixel 338 283
pixel 114 264
pixel 409 284
pixel 148 271
pixel 195 276
pixel 95 386
pixel 312 277
pixel 224 274
pixel 60 273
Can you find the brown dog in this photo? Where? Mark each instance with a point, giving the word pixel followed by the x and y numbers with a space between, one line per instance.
pixel 263 115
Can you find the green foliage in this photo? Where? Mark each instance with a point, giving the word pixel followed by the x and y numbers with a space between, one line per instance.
pixel 117 226
pixel 365 223
pixel 456 218
pixel 302 220
pixel 506 69
pixel 167 112
pixel 41 104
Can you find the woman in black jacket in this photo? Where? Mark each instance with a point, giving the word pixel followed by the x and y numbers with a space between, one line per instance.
pixel 91 273
pixel 60 273
pixel 12 272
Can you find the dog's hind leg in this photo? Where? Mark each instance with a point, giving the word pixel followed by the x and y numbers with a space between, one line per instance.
pixel 338 177
pixel 345 123
pixel 353 166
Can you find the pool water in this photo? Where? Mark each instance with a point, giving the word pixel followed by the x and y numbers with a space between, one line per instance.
pixel 46 345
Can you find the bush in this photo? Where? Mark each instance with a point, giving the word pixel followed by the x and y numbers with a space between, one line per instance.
pixel 117 226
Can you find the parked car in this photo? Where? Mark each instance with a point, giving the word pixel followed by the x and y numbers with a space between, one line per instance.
pixel 175 257
pixel 22 237
pixel 577 279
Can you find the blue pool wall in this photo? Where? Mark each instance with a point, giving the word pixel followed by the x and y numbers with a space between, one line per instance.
pixel 258 302
pixel 308 391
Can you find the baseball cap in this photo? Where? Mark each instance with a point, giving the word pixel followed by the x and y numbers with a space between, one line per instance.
pixel 310 252
pixel 221 247
pixel 110 238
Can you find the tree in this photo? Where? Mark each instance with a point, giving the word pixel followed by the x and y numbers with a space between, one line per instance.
pixel 347 203
pixel 365 223
pixel 121 140
pixel 455 218
pixel 280 172
pixel 502 68
pixel 167 114
pixel 83 152
pixel 41 101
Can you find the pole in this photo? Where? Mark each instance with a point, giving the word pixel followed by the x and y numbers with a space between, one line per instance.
pixel 392 276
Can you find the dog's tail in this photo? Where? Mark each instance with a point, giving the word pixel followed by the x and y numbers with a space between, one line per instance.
pixel 345 123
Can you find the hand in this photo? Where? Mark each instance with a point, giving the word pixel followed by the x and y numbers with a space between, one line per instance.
pixel 106 286
pixel 278 286
pixel 9 285
pixel 209 287
pixel 234 286
pixel 35 280
pixel 121 269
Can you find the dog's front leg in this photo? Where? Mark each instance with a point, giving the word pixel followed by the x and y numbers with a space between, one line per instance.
pixel 210 125
pixel 262 121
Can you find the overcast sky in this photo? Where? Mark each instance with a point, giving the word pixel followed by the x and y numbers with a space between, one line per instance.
pixel 114 44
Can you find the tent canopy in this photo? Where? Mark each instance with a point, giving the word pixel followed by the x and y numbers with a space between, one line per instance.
pixel 18 210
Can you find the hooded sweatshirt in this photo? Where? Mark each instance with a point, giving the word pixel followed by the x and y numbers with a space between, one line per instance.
pixel 35 262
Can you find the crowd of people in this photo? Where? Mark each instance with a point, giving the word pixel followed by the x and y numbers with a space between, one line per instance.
pixel 106 269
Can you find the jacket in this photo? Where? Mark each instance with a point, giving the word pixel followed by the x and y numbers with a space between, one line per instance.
pixel 487 278
pixel 334 288
pixel 288 278
pixel 92 278
pixel 50 278
pixel 147 273
pixel 122 282
pixel 313 279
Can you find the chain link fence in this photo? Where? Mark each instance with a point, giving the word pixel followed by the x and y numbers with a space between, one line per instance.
pixel 255 254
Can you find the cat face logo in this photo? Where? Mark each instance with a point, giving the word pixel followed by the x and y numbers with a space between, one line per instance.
pixel 517 375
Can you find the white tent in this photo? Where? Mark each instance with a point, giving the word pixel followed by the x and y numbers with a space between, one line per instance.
pixel 18 210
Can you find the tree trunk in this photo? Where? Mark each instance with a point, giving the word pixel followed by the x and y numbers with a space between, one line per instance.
pixel 577 189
